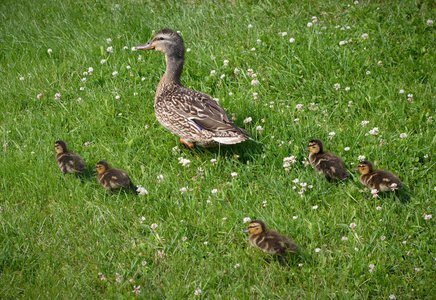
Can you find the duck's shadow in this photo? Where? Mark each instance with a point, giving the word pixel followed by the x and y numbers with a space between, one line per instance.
pixel 246 151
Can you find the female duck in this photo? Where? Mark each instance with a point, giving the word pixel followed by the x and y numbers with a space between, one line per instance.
pixel 269 241
pixel 193 116
pixel 325 162
pixel 111 178
pixel 68 162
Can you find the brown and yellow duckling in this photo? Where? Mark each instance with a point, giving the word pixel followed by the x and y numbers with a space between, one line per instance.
pixel 111 178
pixel 326 163
pixel 68 162
pixel 194 116
pixel 269 241
pixel 380 180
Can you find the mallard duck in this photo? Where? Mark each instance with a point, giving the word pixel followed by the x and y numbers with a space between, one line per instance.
pixel 68 162
pixel 325 162
pixel 269 241
pixel 194 116
pixel 381 180
pixel 111 178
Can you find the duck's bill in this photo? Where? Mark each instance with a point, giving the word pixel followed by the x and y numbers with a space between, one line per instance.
pixel 146 46
pixel 355 169
pixel 94 170
pixel 245 231
pixel 307 149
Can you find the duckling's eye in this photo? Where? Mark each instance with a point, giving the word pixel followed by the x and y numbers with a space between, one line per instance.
pixel 161 38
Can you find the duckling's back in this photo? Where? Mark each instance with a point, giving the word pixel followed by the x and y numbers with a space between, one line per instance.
pixel 273 242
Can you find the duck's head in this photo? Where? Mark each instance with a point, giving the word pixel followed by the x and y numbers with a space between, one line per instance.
pixel 256 227
pixel 166 41
pixel 364 167
pixel 315 146
pixel 60 147
pixel 101 166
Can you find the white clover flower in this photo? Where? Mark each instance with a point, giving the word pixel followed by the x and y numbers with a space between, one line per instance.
pixel 103 61
pixel 234 174
pixel 332 134
pixel 153 226
pixel 364 123
pixel 247 220
pixel 250 26
pixel 365 36
pixel 392 297
pixel 374 131
pixel 337 86
pixel 254 82
pixel 341 43
pixel 344 238
pixel 212 73
pixel 401 91
pixel 248 120
pixel 57 96
pixel 347 89
pixel 108 40
pixel 317 250
pixel 259 128
pixel 284 33
pixel 90 70
pixel 347 148
pixel 403 135
pixel 299 107
pixel 353 225
pixel 184 162
pixel 214 191
pixel 291 40
pixel 236 71
pixel 222 76
pixel 258 41
pixel 368 72
pixel 295 217
pixel 310 24
pixel 110 50
pixel 315 207
pixel 427 217
pixel 213 161
pixel 430 22
pixel 183 190
pixel 49 51
pixel 141 191
pixel 197 292
pixel 226 63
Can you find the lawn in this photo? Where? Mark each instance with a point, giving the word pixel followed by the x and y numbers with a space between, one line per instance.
pixel 357 75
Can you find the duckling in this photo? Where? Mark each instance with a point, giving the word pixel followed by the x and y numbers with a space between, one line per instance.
pixel 381 180
pixel 68 162
pixel 269 241
pixel 325 162
pixel 194 116
pixel 111 178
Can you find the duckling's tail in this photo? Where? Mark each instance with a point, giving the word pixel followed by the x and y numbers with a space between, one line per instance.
pixel 134 188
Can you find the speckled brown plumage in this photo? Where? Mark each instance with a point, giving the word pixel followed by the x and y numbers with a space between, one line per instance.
pixel 68 162
pixel 269 241
pixel 381 180
pixel 111 178
pixel 326 163
pixel 194 116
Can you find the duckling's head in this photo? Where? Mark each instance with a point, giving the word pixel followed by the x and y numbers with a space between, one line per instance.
pixel 256 227
pixel 166 41
pixel 60 147
pixel 315 146
pixel 364 167
pixel 101 166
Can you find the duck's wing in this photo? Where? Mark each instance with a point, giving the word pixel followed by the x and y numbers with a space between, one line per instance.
pixel 204 111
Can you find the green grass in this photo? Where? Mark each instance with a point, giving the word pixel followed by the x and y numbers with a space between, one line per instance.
pixel 64 237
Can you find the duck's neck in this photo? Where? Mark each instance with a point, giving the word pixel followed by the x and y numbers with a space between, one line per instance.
pixel 174 70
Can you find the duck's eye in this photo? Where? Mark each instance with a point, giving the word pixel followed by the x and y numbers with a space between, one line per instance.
pixel 161 38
